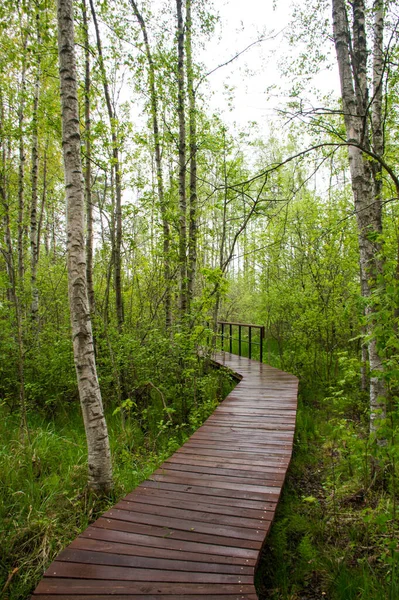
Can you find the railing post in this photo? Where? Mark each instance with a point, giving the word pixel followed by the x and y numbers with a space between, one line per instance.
pixel 249 341
pixel 227 331
pixel 261 337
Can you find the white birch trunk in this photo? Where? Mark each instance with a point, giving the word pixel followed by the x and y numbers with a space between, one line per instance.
pixel 182 161
pixel 34 180
pixel 99 455
pixel 352 63
pixel 21 167
pixel 193 225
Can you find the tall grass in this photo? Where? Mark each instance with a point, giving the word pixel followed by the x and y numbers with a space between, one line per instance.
pixel 44 502
pixel 335 535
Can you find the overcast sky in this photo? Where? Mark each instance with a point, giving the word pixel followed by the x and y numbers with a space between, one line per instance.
pixel 243 22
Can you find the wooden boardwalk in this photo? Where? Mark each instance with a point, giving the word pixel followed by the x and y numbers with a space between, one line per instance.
pixel 195 529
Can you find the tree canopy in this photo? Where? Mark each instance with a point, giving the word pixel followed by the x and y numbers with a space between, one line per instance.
pixel 126 183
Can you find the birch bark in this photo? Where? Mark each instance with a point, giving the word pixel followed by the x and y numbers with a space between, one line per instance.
pixel 193 227
pixel 87 174
pixel 34 179
pixel 351 53
pixel 99 455
pixel 21 167
pixel 182 160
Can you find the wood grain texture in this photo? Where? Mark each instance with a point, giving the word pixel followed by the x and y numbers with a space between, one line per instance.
pixel 195 529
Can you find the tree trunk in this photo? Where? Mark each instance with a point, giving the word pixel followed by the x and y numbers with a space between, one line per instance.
pixel 117 174
pixel 12 294
pixel 21 168
pixel 182 161
pixel 34 180
pixel 158 166
pixel 193 227
pixel 87 174
pixel 352 63
pixel 43 202
pixel 99 455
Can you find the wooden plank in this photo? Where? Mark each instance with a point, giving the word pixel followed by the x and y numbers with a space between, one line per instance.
pixel 189 534
pixel 205 495
pixel 167 543
pixel 178 524
pixel 194 514
pixel 260 459
pixel 246 497
pixel 119 573
pixel 214 596
pixel 237 446
pixel 213 474
pixel 194 530
pixel 250 475
pixel 217 505
pixel 215 511
pixel 90 587
pixel 248 491
pixel 215 463
pixel 73 555
pixel 110 549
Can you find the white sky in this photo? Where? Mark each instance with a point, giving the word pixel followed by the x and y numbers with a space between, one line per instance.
pixel 243 22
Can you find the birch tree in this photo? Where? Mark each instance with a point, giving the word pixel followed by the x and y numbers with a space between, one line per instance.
pixel 34 176
pixel 116 175
pixel 87 174
pixel 22 158
pixel 352 53
pixel 192 117
pixel 182 159
pixel 99 455
pixel 158 164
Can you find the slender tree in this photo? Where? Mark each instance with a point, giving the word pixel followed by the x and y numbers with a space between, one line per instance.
pixel 22 159
pixel 43 200
pixel 35 176
pixel 182 160
pixel 352 53
pixel 88 158
pixel 99 455
pixel 12 291
pixel 117 245
pixel 158 164
pixel 192 118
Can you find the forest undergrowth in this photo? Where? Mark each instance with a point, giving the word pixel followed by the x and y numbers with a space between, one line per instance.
pixel 44 499
pixel 336 531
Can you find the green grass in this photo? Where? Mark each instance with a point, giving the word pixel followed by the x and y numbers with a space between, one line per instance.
pixel 44 502
pixel 332 538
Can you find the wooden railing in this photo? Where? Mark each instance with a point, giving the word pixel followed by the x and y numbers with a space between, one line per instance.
pixel 226 330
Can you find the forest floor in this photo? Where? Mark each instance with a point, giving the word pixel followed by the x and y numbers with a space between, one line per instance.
pixel 335 535
pixel 44 502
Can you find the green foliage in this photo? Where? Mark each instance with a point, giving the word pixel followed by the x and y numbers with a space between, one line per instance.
pixel 292 267
pixel 44 503
pixel 336 529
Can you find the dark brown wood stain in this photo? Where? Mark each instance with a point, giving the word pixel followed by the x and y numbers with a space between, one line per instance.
pixel 195 529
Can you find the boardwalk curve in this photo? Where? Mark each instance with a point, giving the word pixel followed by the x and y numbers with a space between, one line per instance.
pixel 195 529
